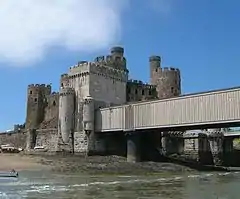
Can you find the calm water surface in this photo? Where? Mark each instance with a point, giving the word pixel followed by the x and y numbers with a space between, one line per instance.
pixel 39 185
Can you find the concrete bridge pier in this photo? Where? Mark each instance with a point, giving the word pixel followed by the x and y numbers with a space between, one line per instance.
pixel 228 151
pixel 133 147
pixel 216 147
pixel 228 145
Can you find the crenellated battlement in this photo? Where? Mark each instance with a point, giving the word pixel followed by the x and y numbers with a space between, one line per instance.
pixel 82 62
pixel 54 93
pixel 139 83
pixel 39 86
pixel 81 67
pixel 66 91
pixel 168 70
pixel 111 61
pixel 65 75
pixel 117 49
pixel 154 58
pixel 101 69
pixel 115 60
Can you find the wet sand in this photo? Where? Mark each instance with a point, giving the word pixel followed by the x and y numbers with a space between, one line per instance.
pixel 19 162
pixel 108 165
pixel 81 164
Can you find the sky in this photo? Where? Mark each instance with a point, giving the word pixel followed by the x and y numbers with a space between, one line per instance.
pixel 41 39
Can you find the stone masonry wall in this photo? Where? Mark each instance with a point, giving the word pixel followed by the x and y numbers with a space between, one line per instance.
pixel 47 138
pixel 80 142
pixel 16 139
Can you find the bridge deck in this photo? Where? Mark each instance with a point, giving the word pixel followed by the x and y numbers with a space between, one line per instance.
pixel 216 107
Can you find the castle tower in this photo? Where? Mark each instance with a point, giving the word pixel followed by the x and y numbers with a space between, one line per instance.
pixel 88 122
pixel 167 80
pixel 117 51
pixel 66 119
pixel 64 81
pixel 117 57
pixel 36 102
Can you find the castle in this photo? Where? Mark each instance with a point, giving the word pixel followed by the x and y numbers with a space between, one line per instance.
pixel 104 81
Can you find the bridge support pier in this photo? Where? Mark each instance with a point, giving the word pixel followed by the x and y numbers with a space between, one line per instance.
pixel 216 147
pixel 133 148
pixel 228 145
pixel 172 143
pixel 228 151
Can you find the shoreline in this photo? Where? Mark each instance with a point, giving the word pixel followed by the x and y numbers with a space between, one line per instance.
pixel 93 165
pixel 19 162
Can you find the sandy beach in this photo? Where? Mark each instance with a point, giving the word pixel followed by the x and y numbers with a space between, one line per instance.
pixel 19 162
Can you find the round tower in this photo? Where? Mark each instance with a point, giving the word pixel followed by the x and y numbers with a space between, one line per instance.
pixel 64 81
pixel 117 56
pixel 117 51
pixel 167 80
pixel 66 113
pixel 155 64
pixel 88 123
pixel 88 114
pixel 36 96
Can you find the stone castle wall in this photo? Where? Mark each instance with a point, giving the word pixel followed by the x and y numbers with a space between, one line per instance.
pixel 16 139
pixel 138 91
pixel 47 138
pixel 51 112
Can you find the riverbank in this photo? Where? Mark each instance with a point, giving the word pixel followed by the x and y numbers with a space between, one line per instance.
pixel 107 165
pixel 93 165
pixel 9 161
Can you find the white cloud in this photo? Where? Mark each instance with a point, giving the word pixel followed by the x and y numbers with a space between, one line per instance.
pixel 29 27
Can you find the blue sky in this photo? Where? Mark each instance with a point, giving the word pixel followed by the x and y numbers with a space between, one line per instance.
pixel 201 37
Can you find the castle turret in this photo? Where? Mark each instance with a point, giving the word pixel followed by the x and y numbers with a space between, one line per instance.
pixel 64 81
pixel 155 64
pixel 166 80
pixel 36 102
pixel 66 116
pixel 117 51
pixel 88 114
pixel 117 56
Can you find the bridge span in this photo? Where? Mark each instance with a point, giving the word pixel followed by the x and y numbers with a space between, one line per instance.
pixel 209 109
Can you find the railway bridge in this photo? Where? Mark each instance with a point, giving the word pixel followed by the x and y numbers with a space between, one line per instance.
pixel 214 109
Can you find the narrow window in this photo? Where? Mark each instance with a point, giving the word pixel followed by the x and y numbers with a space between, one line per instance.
pixel 142 92
pixel 136 91
pixel 30 92
pixel 35 100
pixel 54 103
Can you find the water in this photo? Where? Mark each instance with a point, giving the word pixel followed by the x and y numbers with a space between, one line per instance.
pixel 39 185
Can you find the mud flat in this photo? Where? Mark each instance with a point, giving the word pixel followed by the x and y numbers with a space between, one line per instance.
pixel 106 165
pixel 9 161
